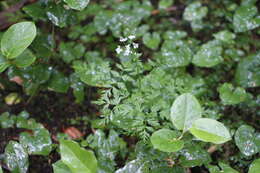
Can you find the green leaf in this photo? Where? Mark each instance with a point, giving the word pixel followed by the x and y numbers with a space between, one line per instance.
pixel 193 155
pixel 225 36
pixel 1 171
pixel 255 166
pixel 134 166
pixel 208 55
pixel 17 38
pixel 58 82
pixel 60 167
pixel 39 143
pixel 166 140
pixel 3 64
pixel 245 18
pixel 16 157
pixel 175 53
pixel 245 140
pixel 184 111
pixel 77 4
pixel 163 4
pixel 195 11
pixel 224 169
pixel 25 59
pixel 230 95
pixel 76 158
pixel 248 71
pixel 152 41
pixel 209 130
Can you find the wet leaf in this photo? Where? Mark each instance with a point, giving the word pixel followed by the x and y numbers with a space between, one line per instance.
pixel 248 71
pixel 16 157
pixel 245 140
pixel 208 55
pixel 230 95
pixel 38 143
pixel 133 166
pixel 255 166
pixel 166 140
pixel 152 40
pixel 60 167
pixel 58 82
pixel 25 59
pixel 195 11
pixel 209 130
pixel 246 18
pixel 77 4
pixel 184 111
pixel 17 38
pixel 194 155
pixel 76 158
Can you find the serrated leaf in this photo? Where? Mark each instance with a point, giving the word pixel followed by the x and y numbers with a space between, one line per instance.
pixel 245 140
pixel 184 111
pixel 209 130
pixel 77 4
pixel 255 166
pixel 76 158
pixel 17 38
pixel 60 167
pixel 166 140
pixel 16 157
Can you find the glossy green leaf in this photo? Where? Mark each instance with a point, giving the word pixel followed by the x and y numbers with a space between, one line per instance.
pixel 195 11
pixel 225 36
pixel 133 166
pixel 60 167
pixel 17 38
pixel 255 166
pixel 230 95
pixel 245 140
pixel 209 130
pixel 3 63
pixel 76 158
pixel 184 111
pixel 208 55
pixel 152 41
pixel 248 71
pixel 1 171
pixel 36 11
pixel 77 4
pixel 16 157
pixel 166 140
pixel 193 155
pixel 58 82
pixel 246 18
pixel 39 143
pixel 25 59
pixel 222 168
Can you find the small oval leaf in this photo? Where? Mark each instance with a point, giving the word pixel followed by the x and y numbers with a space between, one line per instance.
pixel 184 111
pixel 166 140
pixel 209 130
pixel 17 38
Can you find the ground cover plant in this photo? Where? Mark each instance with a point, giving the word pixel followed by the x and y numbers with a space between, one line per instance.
pixel 129 86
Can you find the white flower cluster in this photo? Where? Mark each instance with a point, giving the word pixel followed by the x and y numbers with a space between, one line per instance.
pixel 127 48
